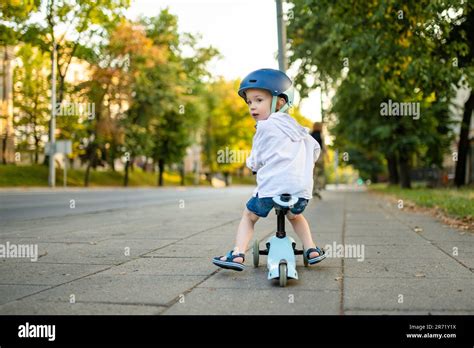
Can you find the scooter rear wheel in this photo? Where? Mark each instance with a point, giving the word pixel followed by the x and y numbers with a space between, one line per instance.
pixel 256 253
pixel 283 273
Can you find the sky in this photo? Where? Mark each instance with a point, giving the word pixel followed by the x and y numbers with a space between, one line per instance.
pixel 244 32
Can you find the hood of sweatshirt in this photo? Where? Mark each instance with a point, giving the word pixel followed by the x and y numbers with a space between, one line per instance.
pixel 288 126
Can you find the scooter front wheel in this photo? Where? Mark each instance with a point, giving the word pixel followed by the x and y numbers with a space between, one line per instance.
pixel 256 253
pixel 283 272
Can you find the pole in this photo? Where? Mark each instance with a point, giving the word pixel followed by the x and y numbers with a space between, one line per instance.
pixel 282 63
pixel 52 128
pixel 281 233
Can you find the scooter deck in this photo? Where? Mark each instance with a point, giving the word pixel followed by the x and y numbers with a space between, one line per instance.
pixel 281 250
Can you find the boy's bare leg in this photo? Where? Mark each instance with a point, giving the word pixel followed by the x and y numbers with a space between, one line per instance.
pixel 244 233
pixel 301 227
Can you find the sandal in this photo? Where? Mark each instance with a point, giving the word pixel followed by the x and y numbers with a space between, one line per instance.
pixel 319 258
pixel 229 262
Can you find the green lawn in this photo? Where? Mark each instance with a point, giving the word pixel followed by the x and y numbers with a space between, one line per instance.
pixel 457 203
pixel 37 175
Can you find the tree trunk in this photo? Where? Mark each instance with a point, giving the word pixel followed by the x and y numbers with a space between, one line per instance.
pixel 125 179
pixel 89 165
pixel 463 145
pixel 403 161
pixel 87 175
pixel 226 178
pixel 393 177
pixel 181 173
pixel 4 149
pixel 373 177
pixel 36 149
pixel 145 167
pixel 112 159
pixel 161 168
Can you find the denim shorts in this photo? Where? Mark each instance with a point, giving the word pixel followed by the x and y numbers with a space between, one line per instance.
pixel 262 206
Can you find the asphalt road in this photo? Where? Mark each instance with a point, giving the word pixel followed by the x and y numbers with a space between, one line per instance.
pixel 44 203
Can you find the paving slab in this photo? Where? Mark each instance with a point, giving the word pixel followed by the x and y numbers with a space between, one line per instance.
pixel 277 301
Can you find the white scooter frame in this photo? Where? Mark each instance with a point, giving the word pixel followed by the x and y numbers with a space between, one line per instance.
pixel 281 249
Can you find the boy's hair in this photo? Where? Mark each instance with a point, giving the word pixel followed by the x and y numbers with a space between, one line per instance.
pixel 317 126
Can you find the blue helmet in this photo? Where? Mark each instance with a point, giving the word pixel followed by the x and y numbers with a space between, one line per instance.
pixel 274 81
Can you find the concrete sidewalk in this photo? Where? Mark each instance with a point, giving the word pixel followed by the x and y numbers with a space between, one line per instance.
pixel 411 264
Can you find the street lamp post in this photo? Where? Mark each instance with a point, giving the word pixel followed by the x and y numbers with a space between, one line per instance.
pixel 282 64
pixel 52 127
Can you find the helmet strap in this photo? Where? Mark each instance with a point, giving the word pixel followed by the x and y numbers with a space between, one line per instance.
pixel 284 108
pixel 274 104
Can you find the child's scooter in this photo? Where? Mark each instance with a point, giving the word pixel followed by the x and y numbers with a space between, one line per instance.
pixel 281 250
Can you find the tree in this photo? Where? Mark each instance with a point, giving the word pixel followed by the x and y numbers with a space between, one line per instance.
pixel 30 98
pixel 88 23
pixel 15 14
pixel 382 52
pixel 228 127
pixel 170 95
pixel 132 53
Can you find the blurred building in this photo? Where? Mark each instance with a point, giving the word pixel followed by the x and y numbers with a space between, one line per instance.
pixel 7 136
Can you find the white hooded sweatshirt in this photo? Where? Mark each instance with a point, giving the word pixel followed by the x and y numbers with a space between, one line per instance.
pixel 283 155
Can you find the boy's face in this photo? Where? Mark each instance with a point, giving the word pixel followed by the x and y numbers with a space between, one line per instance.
pixel 260 103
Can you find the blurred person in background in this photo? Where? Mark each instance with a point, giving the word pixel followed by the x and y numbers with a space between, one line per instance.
pixel 318 171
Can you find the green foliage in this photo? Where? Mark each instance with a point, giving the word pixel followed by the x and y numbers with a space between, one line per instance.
pixel 228 125
pixel 376 51
pixel 14 14
pixel 170 93
pixel 149 84
pixel 30 97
